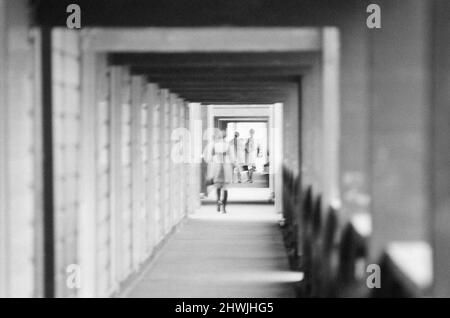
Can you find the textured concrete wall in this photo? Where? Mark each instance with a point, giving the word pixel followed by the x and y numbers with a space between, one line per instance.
pixel 311 127
pixel 291 130
pixel 399 112
pixel 384 121
pixel 354 110
pixel 3 147
pixel 331 115
pixel 66 101
pixel 103 256
pixel 20 155
pixel 440 152
pixel 133 177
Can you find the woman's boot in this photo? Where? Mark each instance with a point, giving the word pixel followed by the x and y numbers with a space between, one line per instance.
pixel 224 201
pixel 219 203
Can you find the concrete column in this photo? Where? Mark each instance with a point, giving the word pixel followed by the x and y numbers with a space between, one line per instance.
pixel 205 139
pixel 165 160
pixel 93 72
pixel 311 126
pixel 291 130
pixel 3 146
pixel 440 150
pixel 137 169
pixel 175 170
pixel 20 149
pixel 184 167
pixel 354 115
pixel 66 96
pixel 330 116
pixel 115 179
pixel 153 166
pixel 195 128
pixel 399 110
pixel 162 94
pixel 173 122
pixel 126 209
pixel 277 155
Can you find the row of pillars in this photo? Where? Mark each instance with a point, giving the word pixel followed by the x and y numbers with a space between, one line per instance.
pixel 388 163
pixel 85 208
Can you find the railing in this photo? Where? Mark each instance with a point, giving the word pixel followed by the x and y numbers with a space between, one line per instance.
pixel 291 201
pixel 329 251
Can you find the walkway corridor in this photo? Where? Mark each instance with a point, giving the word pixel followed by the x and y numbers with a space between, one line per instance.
pixel 240 254
pixel 118 118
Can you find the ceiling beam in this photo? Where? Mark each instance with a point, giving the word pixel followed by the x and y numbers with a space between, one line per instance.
pixel 219 87
pixel 235 59
pixel 237 101
pixel 228 90
pixel 174 13
pixel 167 78
pixel 225 83
pixel 220 72
pixel 233 97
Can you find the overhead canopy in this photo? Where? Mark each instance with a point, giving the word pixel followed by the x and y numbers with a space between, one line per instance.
pixel 263 78
pixel 141 13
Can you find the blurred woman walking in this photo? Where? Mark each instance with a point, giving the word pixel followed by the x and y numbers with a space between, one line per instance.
pixel 221 168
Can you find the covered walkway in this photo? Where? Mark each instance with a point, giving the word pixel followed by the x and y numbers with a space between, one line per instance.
pixel 106 132
pixel 239 254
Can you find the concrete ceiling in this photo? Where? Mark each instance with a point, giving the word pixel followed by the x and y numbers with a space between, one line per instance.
pixel 217 78
pixel 126 13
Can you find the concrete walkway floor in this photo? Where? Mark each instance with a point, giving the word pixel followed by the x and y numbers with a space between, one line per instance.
pixel 239 254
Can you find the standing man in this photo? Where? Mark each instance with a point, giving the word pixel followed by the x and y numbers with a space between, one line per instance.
pixel 253 150
pixel 237 148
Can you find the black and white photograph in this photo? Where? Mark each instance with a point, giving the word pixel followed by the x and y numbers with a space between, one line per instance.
pixel 224 154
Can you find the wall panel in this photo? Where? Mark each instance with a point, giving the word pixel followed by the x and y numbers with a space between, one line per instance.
pixel 155 165
pixel 125 210
pixel 165 160
pixel 66 151
pixel 174 170
pixel 103 221
pixel 138 143
pixel 20 185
